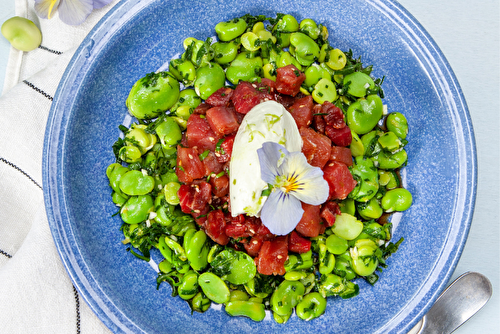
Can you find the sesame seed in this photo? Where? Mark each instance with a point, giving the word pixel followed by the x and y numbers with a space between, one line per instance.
pixel 190 156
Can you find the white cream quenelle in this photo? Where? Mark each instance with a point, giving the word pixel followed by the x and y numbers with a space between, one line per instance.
pixel 266 122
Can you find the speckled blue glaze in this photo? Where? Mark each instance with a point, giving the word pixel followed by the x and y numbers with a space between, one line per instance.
pixel 138 37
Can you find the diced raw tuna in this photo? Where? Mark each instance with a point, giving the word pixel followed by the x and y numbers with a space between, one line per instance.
pixel 310 224
pixel 222 120
pixel 215 227
pixel 340 137
pixel 302 111
pixel 199 133
pixel 339 179
pixel 272 256
pixel 316 147
pixel 298 244
pixel 221 97
pixel 334 115
pixel 341 154
pixel 189 166
pixel 289 79
pixel 246 96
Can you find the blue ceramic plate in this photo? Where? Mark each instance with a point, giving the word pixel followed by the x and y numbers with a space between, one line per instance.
pixel 138 37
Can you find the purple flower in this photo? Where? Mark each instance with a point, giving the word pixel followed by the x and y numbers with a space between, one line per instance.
pixel 72 12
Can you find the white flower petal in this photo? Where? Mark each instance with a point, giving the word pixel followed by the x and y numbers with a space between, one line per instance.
pixel 281 213
pixel 46 8
pixel 269 156
pixel 313 187
pixel 100 3
pixel 74 12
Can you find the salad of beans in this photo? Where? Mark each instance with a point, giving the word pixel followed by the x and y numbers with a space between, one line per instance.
pixel 170 178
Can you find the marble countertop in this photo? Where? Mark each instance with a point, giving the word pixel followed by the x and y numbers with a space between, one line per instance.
pixel 468 34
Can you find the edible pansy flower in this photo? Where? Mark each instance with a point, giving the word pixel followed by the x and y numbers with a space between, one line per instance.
pixel 72 12
pixel 292 181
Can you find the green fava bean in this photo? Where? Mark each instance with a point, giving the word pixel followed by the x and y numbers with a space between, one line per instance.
pixel 111 168
pixel 370 143
pixel 244 69
pixel 358 83
pixel 214 288
pixel 200 303
pixel 348 206
pixel 309 27
pixel 306 49
pixel 390 141
pixel 336 245
pixel 187 97
pixel 386 160
pixel 130 154
pixel 229 30
pixel 252 310
pixel 183 70
pixel 152 95
pixel 364 114
pixel 363 263
pixel 336 61
pixel 398 199
pixel 286 297
pixel 287 23
pixel 209 79
pixel 370 210
pixel 285 58
pixel 170 191
pixel 311 306
pixel 224 53
pixel 136 209
pixel 135 183
pixel 343 265
pixel 397 123
pixel 189 285
pixel 118 199
pixel 269 71
pixel 238 295
pixel 347 226
pixel 115 177
pixel 366 175
pixel 234 266
pixel 356 146
pixel 250 41
pixel 169 133
pixel 22 33
pixel 197 250
pixel 314 73
pixel 331 285
pixel 324 90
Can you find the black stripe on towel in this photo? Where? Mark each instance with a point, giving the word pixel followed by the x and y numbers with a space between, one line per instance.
pixel 4 253
pixel 77 300
pixel 21 171
pixel 38 90
pixel 50 50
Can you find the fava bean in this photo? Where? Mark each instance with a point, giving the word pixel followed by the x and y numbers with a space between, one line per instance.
pixel 388 178
pixel 363 263
pixel 311 306
pixel 183 70
pixel 209 79
pixel 356 146
pixel 136 209
pixel 287 23
pixel 363 115
pixel 214 288
pixel 197 250
pixel 336 61
pixel 118 199
pixel 306 49
pixel 397 123
pixel 152 95
pixel 366 176
pixel 324 90
pixel 250 41
pixel 224 53
pixel 187 97
pixel 386 160
pixel 370 210
pixel 398 199
pixel 269 71
pixel 200 303
pixel 331 285
pixel 244 68
pixel 254 311
pixel 189 285
pixel 238 295
pixel 336 245
pixel 286 297
pixel 116 172
pixel 236 267
pixel 130 154
pixel 285 58
pixel 348 206
pixel 347 226
pixel 343 265
pixel 22 33
pixel 358 83
pixel 135 183
pixel 170 191
pixel 390 142
pixel 229 30
pixel 169 133
pixel 309 27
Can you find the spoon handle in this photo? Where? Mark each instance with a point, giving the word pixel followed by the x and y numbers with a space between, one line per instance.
pixel 458 302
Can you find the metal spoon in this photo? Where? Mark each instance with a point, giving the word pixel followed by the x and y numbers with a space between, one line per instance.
pixel 460 301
